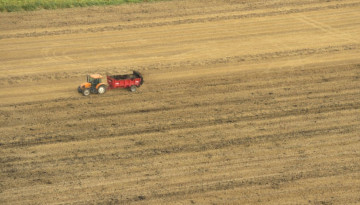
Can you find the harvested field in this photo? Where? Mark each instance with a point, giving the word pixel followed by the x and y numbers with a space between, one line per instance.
pixel 244 102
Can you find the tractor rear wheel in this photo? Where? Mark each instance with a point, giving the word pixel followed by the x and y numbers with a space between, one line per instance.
pixel 101 89
pixel 133 88
pixel 86 92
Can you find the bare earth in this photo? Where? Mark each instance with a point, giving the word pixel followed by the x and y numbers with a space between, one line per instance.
pixel 244 102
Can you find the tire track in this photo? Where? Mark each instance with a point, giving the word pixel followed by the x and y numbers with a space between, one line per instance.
pixel 184 125
pixel 176 22
pixel 172 66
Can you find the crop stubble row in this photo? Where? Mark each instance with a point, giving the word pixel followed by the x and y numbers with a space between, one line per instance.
pixel 202 129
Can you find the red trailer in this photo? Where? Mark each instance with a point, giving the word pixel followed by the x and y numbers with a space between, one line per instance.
pixel 131 81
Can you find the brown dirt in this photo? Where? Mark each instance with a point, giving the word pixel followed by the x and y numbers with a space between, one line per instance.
pixel 244 102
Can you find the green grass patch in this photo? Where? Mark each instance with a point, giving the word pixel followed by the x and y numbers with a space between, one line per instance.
pixel 31 5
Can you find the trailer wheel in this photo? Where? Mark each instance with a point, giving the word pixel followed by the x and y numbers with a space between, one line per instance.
pixel 86 92
pixel 133 88
pixel 101 89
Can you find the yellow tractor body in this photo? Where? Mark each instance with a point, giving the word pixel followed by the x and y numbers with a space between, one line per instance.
pixel 92 85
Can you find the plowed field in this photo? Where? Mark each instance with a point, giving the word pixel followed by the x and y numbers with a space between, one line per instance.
pixel 244 102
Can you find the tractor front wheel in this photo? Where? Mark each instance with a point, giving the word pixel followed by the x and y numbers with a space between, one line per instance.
pixel 101 89
pixel 86 92
pixel 133 88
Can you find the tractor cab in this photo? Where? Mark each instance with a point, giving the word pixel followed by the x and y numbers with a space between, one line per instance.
pixel 93 85
pixel 94 79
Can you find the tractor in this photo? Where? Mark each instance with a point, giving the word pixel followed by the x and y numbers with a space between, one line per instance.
pixel 92 85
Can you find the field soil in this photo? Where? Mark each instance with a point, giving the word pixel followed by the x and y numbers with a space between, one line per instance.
pixel 244 102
